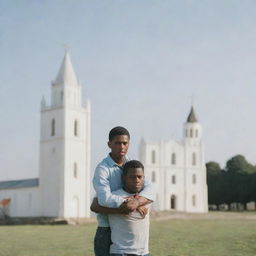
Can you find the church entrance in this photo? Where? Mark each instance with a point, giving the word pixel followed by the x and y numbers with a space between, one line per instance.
pixel 173 202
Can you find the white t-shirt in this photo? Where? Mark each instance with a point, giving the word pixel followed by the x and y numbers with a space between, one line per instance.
pixel 129 233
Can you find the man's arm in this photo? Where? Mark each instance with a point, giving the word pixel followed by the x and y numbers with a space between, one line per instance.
pixel 97 208
pixel 147 195
pixel 102 187
pixel 123 209
pixel 106 198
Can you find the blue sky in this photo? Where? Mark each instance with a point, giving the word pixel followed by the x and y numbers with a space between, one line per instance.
pixel 140 64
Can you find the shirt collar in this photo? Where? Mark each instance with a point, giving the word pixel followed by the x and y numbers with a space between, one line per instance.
pixel 112 163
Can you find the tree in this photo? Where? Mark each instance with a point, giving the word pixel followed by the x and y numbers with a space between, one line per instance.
pixel 214 174
pixel 240 188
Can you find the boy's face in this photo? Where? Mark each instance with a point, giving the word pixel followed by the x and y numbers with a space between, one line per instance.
pixel 119 146
pixel 134 180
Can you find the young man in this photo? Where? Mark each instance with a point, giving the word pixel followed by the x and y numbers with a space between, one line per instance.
pixel 107 178
pixel 130 232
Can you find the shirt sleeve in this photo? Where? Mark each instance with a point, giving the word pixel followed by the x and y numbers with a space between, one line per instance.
pixel 148 190
pixel 103 191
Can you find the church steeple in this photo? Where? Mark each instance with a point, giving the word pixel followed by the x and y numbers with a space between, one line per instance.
pixel 66 90
pixel 192 128
pixel 66 74
pixel 192 116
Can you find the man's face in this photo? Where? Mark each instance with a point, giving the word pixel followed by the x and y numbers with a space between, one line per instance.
pixel 134 180
pixel 119 146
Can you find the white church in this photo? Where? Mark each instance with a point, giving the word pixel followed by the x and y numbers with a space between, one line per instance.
pixel 63 187
pixel 177 169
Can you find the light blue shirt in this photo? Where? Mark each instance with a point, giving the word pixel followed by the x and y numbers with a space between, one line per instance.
pixel 108 178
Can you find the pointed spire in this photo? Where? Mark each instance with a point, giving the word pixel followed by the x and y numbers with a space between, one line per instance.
pixel 192 116
pixel 66 73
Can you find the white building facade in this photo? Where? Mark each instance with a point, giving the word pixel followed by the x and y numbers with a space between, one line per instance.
pixel 63 187
pixel 178 170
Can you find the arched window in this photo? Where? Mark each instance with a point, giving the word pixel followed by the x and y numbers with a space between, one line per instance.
pixel 191 133
pixel 186 132
pixel 173 179
pixel 194 200
pixel 196 133
pixel 194 179
pixel 53 127
pixel 76 128
pixel 153 156
pixel 173 202
pixel 75 170
pixel 153 177
pixel 173 158
pixel 194 158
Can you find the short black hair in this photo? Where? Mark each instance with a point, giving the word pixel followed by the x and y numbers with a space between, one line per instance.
pixel 118 130
pixel 131 165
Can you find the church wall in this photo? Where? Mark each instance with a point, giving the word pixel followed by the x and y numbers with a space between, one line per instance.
pixel 76 170
pixel 25 202
pixel 196 200
pixel 179 170
pixel 52 163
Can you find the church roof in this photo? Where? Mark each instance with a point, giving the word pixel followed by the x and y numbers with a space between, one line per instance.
pixel 192 116
pixel 66 74
pixel 11 184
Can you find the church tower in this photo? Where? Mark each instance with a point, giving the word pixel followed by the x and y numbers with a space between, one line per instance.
pixel 65 148
pixel 195 186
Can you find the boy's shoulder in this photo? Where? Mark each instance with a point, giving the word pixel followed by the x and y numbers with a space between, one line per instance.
pixel 121 192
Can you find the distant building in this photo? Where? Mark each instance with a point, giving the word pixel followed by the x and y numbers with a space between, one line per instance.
pixel 177 169
pixel 63 187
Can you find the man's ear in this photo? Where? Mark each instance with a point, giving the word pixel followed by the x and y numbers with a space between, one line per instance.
pixel 109 144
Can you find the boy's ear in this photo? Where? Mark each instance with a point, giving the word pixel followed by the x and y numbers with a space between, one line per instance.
pixel 108 144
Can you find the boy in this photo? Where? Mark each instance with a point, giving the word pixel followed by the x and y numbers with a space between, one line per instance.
pixel 129 232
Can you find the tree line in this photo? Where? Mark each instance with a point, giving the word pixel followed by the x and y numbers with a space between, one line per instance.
pixel 236 183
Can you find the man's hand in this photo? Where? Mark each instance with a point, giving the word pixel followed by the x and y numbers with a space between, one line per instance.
pixel 129 206
pixel 142 210
pixel 142 200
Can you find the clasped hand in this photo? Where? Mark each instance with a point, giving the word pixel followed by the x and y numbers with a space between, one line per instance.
pixel 131 204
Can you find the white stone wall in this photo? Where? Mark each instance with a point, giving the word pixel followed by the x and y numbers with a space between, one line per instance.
pixel 25 202
pixel 76 195
pixel 52 162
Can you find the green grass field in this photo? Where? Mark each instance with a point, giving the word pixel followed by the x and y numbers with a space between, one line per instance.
pixel 188 237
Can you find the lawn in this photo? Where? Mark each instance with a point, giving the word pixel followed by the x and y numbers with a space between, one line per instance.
pixel 188 237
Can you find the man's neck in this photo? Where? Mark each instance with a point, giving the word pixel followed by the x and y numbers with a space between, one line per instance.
pixel 119 161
